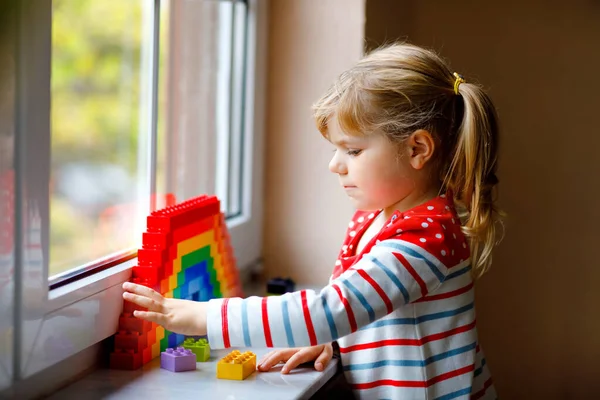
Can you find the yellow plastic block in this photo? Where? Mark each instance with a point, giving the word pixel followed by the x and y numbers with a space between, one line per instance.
pixel 172 282
pixel 155 350
pixel 236 366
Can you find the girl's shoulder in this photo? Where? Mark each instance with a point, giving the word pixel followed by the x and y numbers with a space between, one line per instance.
pixel 433 227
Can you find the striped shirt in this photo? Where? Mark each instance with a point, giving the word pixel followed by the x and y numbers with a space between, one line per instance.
pixel 402 311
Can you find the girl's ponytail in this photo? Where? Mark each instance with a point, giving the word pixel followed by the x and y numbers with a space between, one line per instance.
pixel 471 175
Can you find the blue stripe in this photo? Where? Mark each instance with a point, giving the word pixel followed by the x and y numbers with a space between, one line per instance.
pixel 459 272
pixel 393 278
pixel 418 320
pixel 453 395
pixel 361 298
pixel 247 341
pixel 413 253
pixel 479 370
pixel 411 363
pixel 286 322
pixel 330 321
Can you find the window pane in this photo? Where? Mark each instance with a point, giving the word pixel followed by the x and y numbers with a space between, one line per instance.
pixel 98 151
pixel 7 199
pixel 200 113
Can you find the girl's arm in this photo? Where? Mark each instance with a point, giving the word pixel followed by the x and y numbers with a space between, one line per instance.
pixel 393 273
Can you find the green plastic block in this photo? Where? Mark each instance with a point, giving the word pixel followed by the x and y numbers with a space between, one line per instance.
pixel 199 347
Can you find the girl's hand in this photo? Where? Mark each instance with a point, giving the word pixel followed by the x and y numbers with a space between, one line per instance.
pixel 181 316
pixel 322 354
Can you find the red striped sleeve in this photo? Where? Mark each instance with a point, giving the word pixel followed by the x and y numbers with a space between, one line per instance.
pixel 349 311
pixel 413 273
pixel 265 321
pixel 309 325
pixel 225 324
pixel 378 289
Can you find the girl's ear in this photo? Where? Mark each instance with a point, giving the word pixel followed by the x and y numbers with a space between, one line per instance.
pixel 420 145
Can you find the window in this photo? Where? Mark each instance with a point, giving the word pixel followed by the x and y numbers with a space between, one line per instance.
pixel 98 130
pixel 149 106
pixel 111 118
pixel 7 203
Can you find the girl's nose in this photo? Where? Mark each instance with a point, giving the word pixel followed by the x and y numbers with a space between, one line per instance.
pixel 337 166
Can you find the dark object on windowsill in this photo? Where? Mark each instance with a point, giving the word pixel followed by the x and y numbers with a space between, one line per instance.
pixel 278 286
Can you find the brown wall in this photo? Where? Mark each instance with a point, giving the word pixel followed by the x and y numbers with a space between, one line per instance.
pixel 306 211
pixel 539 307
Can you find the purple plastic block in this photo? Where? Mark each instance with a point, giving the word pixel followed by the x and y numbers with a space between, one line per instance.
pixel 178 360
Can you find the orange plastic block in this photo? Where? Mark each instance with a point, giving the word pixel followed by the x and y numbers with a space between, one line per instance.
pixel 236 366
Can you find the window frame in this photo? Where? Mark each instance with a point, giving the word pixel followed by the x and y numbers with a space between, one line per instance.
pixel 43 315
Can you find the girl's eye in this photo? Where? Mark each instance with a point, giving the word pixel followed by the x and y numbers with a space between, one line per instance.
pixel 353 152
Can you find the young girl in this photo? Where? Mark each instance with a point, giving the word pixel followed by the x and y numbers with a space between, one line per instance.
pixel 414 143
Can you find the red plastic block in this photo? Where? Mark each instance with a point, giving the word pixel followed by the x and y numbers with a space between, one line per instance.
pixel 155 240
pixel 130 341
pixel 192 230
pixel 127 322
pixel 154 257
pixel 147 355
pixel 144 282
pixel 128 360
pixel 151 274
pixel 177 216
pixel 129 307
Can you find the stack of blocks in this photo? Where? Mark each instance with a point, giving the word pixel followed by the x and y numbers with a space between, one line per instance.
pixel 236 366
pixel 186 254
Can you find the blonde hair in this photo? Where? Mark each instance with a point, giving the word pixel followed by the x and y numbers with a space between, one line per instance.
pixel 400 88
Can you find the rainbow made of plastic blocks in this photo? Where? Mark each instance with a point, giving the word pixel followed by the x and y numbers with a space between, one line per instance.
pixel 236 366
pixel 186 254
pixel 199 347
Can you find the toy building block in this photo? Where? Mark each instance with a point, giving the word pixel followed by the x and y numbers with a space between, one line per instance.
pixel 130 340
pixel 278 286
pixel 199 347
pixel 125 359
pixel 236 366
pixel 186 253
pixel 178 360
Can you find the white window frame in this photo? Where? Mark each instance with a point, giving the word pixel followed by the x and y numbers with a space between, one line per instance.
pixel 85 311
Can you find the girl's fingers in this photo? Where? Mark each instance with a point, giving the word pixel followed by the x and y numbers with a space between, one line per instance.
pixel 300 357
pixel 324 358
pixel 275 357
pixel 150 316
pixel 266 357
pixel 142 291
pixel 145 302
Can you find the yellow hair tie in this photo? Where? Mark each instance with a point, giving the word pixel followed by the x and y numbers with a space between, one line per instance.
pixel 458 81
